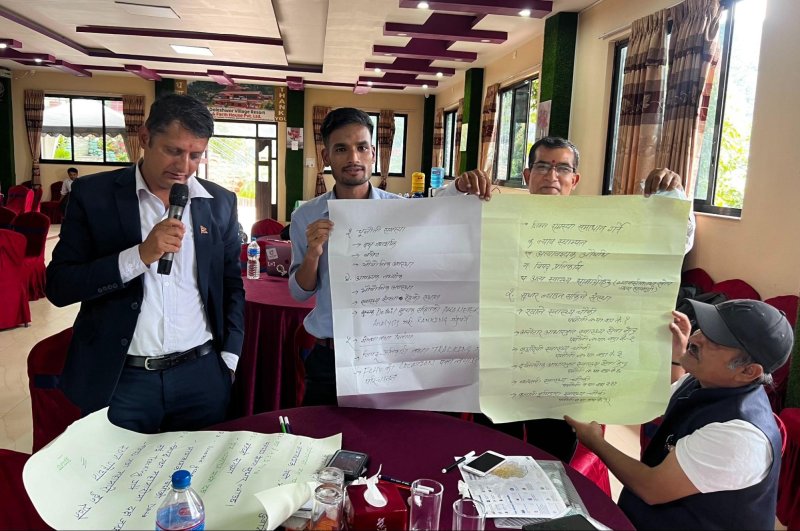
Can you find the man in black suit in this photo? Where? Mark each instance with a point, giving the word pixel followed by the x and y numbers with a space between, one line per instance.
pixel 159 350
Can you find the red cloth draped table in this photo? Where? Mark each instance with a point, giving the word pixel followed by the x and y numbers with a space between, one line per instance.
pixel 265 376
pixel 16 509
pixel 418 444
pixel 789 486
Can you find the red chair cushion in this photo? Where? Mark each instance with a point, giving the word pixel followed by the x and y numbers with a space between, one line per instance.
pixel 736 289
pixel 265 227
pixel 20 199
pixel 698 277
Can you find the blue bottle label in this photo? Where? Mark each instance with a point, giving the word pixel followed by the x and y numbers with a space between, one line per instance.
pixel 178 518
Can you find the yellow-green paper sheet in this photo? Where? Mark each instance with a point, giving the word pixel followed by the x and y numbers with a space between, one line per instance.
pixel 576 295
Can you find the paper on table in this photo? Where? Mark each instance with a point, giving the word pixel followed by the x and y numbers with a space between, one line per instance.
pixel 517 488
pixel 576 294
pixel 404 290
pixel 99 476
pixel 283 501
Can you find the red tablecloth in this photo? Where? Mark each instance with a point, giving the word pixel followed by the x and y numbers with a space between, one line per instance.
pixel 266 371
pixel 789 486
pixel 416 444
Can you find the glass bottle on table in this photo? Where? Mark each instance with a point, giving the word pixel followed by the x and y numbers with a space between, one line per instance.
pixel 326 514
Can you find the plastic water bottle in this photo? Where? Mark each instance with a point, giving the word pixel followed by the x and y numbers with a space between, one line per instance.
pixel 182 509
pixel 253 256
pixel 437 177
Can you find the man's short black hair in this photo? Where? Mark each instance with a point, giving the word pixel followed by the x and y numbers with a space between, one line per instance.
pixel 72 170
pixel 188 111
pixel 554 142
pixel 341 117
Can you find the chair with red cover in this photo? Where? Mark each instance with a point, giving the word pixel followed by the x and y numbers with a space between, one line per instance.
pixel 20 199
pixel 788 492
pixel 16 509
pixel 736 289
pixel 14 310
pixel 698 277
pixel 34 226
pixel 265 227
pixel 37 199
pixel 51 409
pixel 52 208
pixel 6 218
pixel 780 377
pixel 587 463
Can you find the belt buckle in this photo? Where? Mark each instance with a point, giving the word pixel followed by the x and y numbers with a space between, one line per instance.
pixel 147 366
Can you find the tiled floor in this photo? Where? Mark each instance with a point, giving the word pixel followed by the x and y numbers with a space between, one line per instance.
pixel 15 405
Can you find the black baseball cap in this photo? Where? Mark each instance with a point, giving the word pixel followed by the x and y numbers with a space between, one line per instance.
pixel 750 325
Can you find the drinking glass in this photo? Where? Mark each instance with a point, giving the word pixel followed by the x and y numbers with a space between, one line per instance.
pixel 426 505
pixel 468 515
pixel 326 514
pixel 330 475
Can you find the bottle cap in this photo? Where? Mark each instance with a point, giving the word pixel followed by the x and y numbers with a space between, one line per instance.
pixel 181 479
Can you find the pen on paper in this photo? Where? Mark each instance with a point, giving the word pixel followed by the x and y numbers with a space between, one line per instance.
pixel 283 424
pixel 288 426
pixel 458 462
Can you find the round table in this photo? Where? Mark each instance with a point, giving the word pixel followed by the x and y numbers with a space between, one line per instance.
pixel 265 376
pixel 417 444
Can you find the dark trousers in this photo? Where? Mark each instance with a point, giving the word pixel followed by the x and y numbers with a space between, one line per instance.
pixel 190 396
pixel 320 368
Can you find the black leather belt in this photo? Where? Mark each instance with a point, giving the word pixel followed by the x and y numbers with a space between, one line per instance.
pixel 325 342
pixel 167 361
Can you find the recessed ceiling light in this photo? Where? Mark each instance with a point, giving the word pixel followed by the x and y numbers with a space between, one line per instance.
pixel 402 34
pixel 369 83
pixel 37 60
pixel 425 86
pixel 486 40
pixel 422 5
pixel 376 70
pixel 388 54
pixel 439 74
pixel 525 13
pixel 192 50
pixel 145 10
pixel 3 45
pixel 457 59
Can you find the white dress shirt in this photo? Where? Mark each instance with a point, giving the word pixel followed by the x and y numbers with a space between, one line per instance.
pixel 172 316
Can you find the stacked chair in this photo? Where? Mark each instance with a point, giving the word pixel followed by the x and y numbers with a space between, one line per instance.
pixel 34 226
pixel 14 310
pixel 20 199
pixel 52 208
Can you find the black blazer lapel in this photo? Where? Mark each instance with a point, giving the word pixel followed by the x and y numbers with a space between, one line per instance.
pixel 203 238
pixel 128 206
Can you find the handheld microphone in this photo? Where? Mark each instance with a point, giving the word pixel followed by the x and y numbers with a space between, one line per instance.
pixel 178 197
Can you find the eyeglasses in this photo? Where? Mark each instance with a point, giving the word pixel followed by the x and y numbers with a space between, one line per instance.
pixel 543 168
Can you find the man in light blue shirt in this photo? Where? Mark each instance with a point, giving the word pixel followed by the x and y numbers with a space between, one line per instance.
pixel 347 135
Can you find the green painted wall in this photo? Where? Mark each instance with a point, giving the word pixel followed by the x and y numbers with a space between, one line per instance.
pixel 473 99
pixel 295 110
pixel 558 64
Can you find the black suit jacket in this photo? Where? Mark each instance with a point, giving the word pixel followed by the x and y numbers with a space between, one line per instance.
pixel 103 220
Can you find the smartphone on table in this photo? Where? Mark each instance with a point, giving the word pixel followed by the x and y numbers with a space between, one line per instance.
pixel 351 463
pixel 484 463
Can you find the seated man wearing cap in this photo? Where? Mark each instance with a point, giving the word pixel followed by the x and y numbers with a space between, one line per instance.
pixel 715 459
